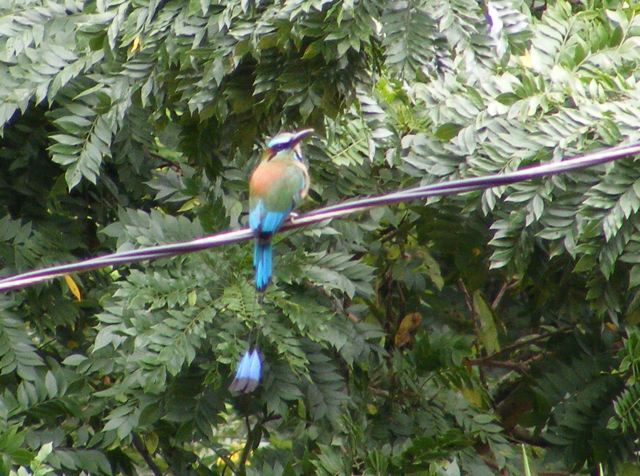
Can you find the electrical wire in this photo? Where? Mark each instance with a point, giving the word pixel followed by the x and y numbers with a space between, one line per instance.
pixel 326 213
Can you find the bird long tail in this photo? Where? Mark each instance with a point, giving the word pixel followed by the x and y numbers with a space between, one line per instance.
pixel 262 262
pixel 249 370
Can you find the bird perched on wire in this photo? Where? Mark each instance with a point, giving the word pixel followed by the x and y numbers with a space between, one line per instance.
pixel 276 185
pixel 279 182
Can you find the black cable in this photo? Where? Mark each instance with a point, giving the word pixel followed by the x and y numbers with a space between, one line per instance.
pixel 326 213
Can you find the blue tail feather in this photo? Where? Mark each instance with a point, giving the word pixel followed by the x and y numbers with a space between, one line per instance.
pixel 255 366
pixel 262 262
pixel 264 224
pixel 248 373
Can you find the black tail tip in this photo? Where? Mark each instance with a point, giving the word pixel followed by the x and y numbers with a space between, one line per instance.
pixel 243 385
pixel 260 289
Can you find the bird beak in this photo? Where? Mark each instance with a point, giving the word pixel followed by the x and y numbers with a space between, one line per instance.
pixel 298 136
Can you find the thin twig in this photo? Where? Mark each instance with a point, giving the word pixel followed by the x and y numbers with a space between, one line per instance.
pixel 503 364
pixel 476 325
pixel 142 449
pixel 228 463
pixel 521 435
pixel 247 447
pixel 523 343
pixel 498 299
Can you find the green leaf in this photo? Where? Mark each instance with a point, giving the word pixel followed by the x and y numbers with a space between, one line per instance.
pixel 488 329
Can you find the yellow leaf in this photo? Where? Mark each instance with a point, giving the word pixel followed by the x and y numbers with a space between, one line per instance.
pixel 407 328
pixel 302 409
pixel 151 441
pixel 314 49
pixel 526 60
pixel 189 204
pixel 235 449
pixel 473 396
pixel 135 46
pixel 633 317
pixel 393 252
pixel 73 287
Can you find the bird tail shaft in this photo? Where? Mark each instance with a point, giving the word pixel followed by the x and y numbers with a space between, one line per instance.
pixel 262 262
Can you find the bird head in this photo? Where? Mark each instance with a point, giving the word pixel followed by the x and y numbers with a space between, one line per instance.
pixel 287 141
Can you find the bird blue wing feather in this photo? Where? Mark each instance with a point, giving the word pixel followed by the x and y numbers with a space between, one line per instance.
pixel 255 215
pixel 262 221
pixel 273 220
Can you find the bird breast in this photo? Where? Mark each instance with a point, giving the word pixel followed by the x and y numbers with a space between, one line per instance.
pixel 278 177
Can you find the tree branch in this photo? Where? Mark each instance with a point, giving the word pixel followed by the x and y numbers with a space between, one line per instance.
pixel 141 448
pixel 517 366
pixel 519 344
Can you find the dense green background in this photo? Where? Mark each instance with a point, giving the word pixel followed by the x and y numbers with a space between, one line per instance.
pixel 475 334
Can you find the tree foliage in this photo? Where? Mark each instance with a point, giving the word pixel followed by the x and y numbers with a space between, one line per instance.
pixel 430 337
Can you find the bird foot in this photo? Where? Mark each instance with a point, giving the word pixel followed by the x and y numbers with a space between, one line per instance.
pixel 293 216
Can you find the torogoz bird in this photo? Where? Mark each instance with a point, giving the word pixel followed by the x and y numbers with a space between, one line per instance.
pixel 276 185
